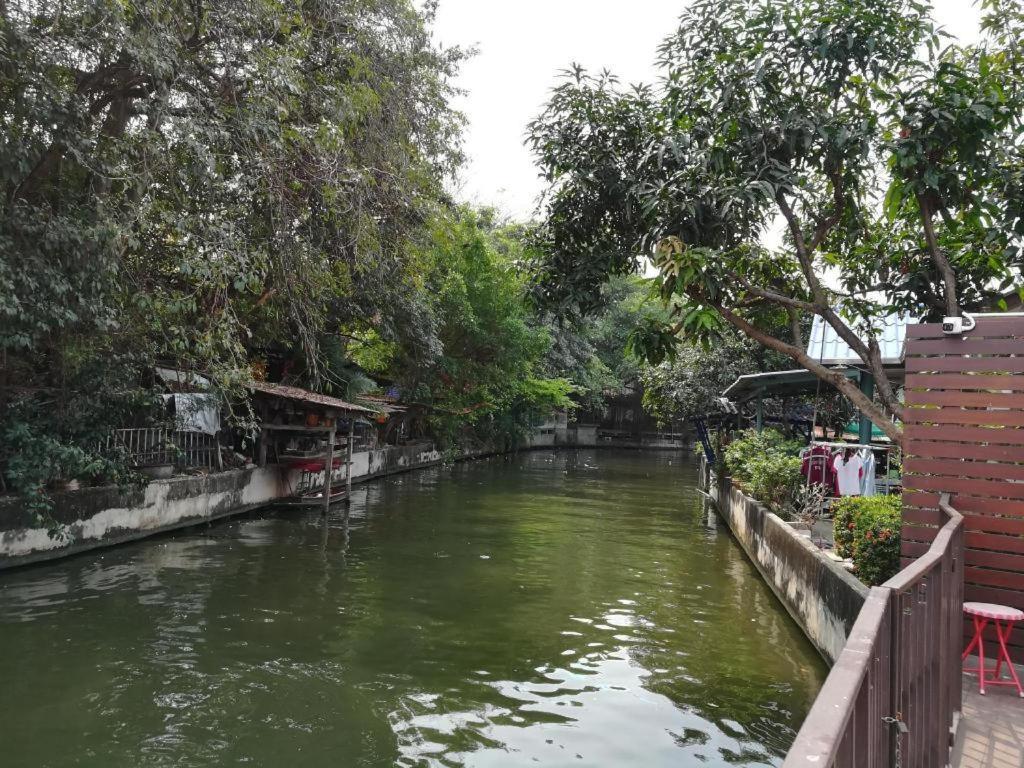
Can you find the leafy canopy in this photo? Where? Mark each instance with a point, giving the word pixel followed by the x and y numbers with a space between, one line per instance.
pixel 892 162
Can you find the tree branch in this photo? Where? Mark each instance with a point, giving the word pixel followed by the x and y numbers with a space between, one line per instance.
pixel 845 385
pixel 938 257
pixel 870 354
pixel 794 327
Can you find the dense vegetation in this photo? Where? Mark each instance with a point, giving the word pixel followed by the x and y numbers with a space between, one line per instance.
pixel 242 188
pixel 767 465
pixel 890 155
pixel 258 188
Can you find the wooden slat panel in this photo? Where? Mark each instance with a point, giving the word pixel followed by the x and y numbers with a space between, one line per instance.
pixel 919 533
pixel 981 469
pixel 961 399
pixel 943 450
pixel 921 499
pixel 988 435
pixel 944 415
pixel 968 485
pixel 1007 525
pixel 961 364
pixel 913 549
pixel 987 506
pixel 966 346
pixel 1013 382
pixel 930 517
pixel 998 542
pixel 990 578
pixel 986 328
pixel 1001 560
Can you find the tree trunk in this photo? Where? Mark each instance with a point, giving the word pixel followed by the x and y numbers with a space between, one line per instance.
pixel 939 258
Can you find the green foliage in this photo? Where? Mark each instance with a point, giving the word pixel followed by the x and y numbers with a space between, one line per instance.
pixel 593 352
pixel 774 480
pixel 689 384
pixel 843 525
pixel 767 465
pixel 486 379
pixel 198 183
pixel 867 529
pixel 808 112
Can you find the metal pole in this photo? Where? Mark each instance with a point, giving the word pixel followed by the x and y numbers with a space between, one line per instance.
pixel 328 470
pixel 867 386
pixel 760 413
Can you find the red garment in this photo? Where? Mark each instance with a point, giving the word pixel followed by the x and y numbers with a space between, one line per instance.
pixel 817 467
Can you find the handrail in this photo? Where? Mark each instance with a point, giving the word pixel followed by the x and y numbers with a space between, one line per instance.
pixel 867 689
pixel 905 578
pixel 818 742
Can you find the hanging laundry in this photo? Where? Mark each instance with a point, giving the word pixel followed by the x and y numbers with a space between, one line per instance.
pixel 817 466
pixel 197 412
pixel 847 469
pixel 867 475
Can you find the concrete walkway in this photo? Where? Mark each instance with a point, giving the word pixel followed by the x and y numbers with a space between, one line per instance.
pixel 992 729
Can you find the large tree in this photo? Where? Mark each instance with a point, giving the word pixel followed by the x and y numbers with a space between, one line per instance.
pixel 199 181
pixel 891 160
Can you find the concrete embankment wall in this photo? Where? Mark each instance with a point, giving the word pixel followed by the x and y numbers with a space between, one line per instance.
pixel 818 592
pixel 99 517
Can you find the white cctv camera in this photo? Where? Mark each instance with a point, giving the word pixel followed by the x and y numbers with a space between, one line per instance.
pixel 954 326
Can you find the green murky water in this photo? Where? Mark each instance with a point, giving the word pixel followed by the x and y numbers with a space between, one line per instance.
pixel 561 609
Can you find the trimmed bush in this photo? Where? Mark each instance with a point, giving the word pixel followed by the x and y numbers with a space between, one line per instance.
pixel 867 529
pixel 751 446
pixel 767 465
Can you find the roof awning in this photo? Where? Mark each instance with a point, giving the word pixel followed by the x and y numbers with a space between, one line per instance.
pixel 188 381
pixel 305 396
pixel 778 384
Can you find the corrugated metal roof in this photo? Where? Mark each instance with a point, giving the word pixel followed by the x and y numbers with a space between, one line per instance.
pixel 305 396
pixel 826 347
pixel 775 384
pixel 383 404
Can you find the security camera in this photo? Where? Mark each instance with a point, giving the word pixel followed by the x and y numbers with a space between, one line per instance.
pixel 954 326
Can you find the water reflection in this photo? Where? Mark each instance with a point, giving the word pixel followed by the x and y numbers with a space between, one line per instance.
pixel 565 609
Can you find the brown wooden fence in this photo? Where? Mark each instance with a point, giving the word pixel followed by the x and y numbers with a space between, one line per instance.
pixel 965 436
pixel 895 688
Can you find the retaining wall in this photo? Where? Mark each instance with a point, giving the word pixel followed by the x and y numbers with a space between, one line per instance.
pixel 818 592
pixel 99 517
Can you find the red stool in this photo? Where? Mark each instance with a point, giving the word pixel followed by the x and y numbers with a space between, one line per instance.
pixel 1004 618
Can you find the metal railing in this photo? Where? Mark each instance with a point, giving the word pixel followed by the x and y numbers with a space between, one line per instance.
pixel 155 446
pixel 893 693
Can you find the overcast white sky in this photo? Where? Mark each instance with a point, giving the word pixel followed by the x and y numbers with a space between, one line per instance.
pixel 523 45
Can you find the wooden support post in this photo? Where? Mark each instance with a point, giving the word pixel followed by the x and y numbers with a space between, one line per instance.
pixel 348 460
pixel 328 470
pixel 262 448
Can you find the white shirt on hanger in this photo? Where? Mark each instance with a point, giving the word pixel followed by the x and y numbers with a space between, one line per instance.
pixel 848 474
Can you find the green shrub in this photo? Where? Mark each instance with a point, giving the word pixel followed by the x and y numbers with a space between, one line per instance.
pixel 752 446
pixel 867 529
pixel 773 480
pixel 767 465
pixel 843 524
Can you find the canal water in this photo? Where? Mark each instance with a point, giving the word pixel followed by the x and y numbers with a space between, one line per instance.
pixel 552 608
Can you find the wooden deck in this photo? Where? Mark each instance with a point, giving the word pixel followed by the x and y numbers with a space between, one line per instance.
pixel 992 728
